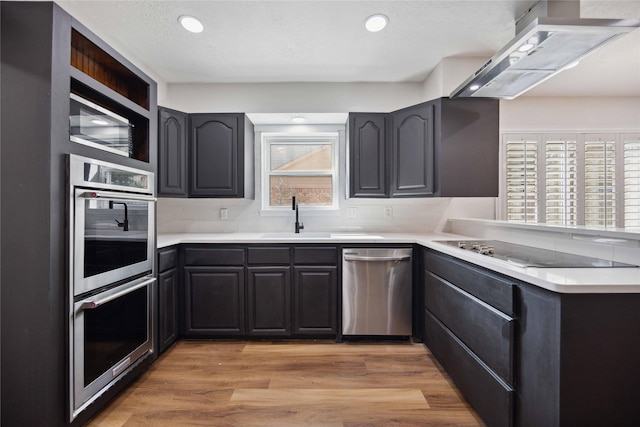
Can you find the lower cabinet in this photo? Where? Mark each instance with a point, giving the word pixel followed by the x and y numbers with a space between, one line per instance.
pixel 214 301
pixel 269 301
pixel 470 337
pixel 168 280
pixel 314 300
pixel 260 291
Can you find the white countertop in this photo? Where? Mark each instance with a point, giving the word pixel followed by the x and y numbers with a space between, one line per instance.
pixel 562 280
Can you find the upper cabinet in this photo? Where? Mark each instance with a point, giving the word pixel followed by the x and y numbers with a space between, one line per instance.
pixel 205 155
pixel 442 148
pixel 172 153
pixel 412 151
pixel 367 154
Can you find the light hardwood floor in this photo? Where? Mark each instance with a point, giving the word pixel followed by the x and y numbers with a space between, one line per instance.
pixel 205 383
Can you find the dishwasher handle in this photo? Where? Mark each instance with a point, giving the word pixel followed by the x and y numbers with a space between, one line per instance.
pixel 354 257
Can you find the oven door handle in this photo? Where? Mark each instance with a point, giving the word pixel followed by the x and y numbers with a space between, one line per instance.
pixel 91 303
pixel 107 195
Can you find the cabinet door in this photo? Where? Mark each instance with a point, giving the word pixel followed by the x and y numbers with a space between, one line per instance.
pixel 412 151
pixel 315 292
pixel 269 301
pixel 368 155
pixel 172 153
pixel 217 155
pixel 214 298
pixel 167 308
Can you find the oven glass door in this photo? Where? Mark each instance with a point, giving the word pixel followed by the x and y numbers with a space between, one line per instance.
pixel 113 238
pixel 111 331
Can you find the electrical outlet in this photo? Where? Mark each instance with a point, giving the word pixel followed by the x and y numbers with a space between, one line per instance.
pixel 352 213
pixel 224 213
pixel 388 211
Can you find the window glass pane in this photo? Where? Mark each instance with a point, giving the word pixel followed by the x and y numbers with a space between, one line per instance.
pixel 522 181
pixel 599 183
pixel 632 183
pixel 561 183
pixel 300 157
pixel 309 190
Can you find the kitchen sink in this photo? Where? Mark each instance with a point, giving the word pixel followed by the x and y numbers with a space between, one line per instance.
pixel 319 235
pixel 296 235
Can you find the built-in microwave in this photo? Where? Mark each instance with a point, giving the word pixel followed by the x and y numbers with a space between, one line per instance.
pixel 93 125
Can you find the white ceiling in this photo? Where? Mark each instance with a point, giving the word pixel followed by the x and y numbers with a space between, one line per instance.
pixel 325 41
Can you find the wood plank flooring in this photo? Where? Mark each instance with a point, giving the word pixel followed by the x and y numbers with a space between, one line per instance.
pixel 225 383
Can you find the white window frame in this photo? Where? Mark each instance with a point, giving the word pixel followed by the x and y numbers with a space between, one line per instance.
pixel 293 138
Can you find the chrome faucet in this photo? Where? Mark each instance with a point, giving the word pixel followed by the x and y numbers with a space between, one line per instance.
pixel 124 224
pixel 294 206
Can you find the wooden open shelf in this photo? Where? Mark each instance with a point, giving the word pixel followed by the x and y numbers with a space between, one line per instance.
pixel 87 57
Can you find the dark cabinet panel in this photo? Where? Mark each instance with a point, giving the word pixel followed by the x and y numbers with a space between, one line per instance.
pixel 485 330
pixel 368 147
pixel 213 255
pixel 314 300
pixel 268 255
pixel 269 301
pixel 215 298
pixel 490 397
pixel 172 153
pixel 495 290
pixel 315 255
pixel 412 151
pixel 467 145
pixel 217 155
pixel 167 308
pixel 167 259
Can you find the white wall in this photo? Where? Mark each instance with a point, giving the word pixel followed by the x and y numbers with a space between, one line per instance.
pixel 293 97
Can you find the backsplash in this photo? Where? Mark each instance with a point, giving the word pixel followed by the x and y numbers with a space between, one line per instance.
pixel 371 215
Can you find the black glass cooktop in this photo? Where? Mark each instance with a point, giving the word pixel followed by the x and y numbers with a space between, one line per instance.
pixel 527 256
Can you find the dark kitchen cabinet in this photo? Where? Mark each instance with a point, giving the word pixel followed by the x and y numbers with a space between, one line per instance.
pixel 215 298
pixel 172 153
pixel 412 151
pixel 167 297
pixel 440 148
pixel 269 301
pixel 218 143
pixel 315 290
pixel 470 337
pixel 367 155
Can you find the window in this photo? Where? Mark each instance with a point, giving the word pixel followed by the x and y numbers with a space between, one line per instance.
pixel 572 179
pixel 300 165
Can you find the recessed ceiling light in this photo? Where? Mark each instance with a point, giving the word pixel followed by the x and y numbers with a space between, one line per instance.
pixel 376 23
pixel 298 120
pixel 191 24
pixel 474 87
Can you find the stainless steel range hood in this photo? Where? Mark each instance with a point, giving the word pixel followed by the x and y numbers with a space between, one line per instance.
pixel 543 46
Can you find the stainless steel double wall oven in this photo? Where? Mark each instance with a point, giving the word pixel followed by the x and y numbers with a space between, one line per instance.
pixel 112 282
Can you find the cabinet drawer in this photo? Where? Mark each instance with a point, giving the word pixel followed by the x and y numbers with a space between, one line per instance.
pixel 492 399
pixel 315 255
pixel 213 256
pixel 485 330
pixel 269 256
pixel 167 259
pixel 492 289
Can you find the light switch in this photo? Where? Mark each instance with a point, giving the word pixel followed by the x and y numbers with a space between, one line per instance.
pixel 224 213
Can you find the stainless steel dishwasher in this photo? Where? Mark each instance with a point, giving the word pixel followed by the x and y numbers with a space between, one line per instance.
pixel 376 291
